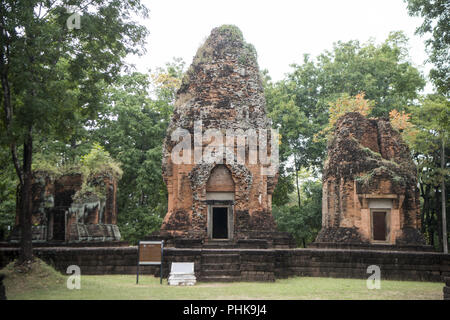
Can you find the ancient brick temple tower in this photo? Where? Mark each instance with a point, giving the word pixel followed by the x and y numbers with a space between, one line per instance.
pixel 222 199
pixel 370 192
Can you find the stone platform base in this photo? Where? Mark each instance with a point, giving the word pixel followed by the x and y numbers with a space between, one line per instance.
pixel 363 246
pixel 78 232
pixel 94 232
pixel 77 244
pixel 255 240
pixel 237 264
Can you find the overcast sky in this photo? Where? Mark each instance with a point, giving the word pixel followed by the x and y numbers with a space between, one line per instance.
pixel 281 30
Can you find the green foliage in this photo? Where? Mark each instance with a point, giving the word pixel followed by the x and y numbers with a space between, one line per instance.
pixel 249 54
pixel 135 126
pixel 370 152
pixel 343 105
pixel 53 162
pixel 431 119
pixel 435 14
pixel 138 223
pixel 94 166
pixel 48 163
pixel 205 54
pixel 383 72
pixel 54 77
pixel 130 129
pixel 236 33
pixel 69 92
pixel 38 276
pixel 88 193
pixel 57 75
pixel 285 187
pixel 303 222
pixel 367 178
pixel 98 161
pixel 299 105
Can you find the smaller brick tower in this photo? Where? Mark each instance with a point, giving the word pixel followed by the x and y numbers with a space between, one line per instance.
pixel 63 213
pixel 370 192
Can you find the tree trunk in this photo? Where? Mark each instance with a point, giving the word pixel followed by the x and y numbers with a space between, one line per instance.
pixel 422 212
pixel 24 174
pixel 444 218
pixel 296 181
pixel 437 205
pixel 26 246
pixel 427 217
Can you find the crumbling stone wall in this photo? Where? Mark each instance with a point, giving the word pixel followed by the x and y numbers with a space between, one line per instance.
pixel 223 90
pixel 254 265
pixel 57 216
pixel 368 161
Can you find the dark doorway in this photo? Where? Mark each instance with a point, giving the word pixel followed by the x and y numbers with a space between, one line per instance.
pixel 59 225
pixel 220 223
pixel 379 225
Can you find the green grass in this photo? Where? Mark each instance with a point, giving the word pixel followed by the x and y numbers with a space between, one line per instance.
pixel 47 284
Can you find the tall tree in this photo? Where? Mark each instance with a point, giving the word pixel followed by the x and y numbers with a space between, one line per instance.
pixel 436 15
pixel 133 130
pixel 303 222
pixel 299 105
pixel 431 118
pixel 54 62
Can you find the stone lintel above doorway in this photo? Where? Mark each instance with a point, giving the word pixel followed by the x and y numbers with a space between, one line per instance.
pixel 220 202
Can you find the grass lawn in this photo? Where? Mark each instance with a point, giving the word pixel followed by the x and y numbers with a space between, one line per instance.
pixel 45 283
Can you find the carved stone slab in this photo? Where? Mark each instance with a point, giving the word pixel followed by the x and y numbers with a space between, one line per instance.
pixel 182 274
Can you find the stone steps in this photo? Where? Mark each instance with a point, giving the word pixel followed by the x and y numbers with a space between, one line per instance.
pixel 220 258
pixel 221 273
pixel 219 245
pixel 219 279
pixel 220 266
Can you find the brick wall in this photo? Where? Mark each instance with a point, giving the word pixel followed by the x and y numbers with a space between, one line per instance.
pixel 91 260
pixel 255 264
pixel 341 263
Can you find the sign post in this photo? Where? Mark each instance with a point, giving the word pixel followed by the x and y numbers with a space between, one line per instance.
pixel 150 253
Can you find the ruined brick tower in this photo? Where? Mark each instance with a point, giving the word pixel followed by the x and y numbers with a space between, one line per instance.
pixel 58 217
pixel 223 199
pixel 370 192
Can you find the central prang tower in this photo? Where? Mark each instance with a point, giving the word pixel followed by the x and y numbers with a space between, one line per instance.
pixel 222 199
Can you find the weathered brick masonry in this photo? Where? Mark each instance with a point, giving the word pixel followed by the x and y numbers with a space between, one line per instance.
pixel 223 92
pixel 370 193
pixel 394 265
pixel 252 264
pixel 57 216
